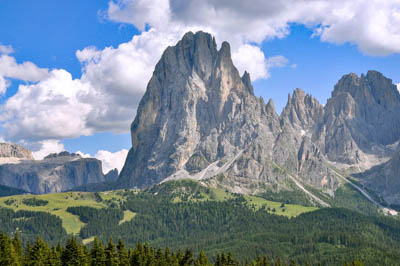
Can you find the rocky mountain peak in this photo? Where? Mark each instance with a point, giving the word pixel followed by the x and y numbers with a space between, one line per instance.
pixel 373 89
pixel 302 110
pixel 199 118
pixel 15 151
pixel 194 93
pixel 347 83
pixel 361 114
pixel 196 52
pixel 383 90
pixel 247 82
pixel 62 154
pixel 270 107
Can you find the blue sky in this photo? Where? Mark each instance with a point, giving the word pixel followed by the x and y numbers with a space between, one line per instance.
pixel 90 57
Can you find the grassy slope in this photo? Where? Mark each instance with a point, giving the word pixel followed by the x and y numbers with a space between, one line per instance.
pixel 289 210
pixel 128 215
pixel 59 202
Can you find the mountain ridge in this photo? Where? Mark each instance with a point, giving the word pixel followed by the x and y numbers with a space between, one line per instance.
pixel 55 173
pixel 200 119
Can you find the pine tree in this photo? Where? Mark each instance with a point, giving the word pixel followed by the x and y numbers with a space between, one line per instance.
pixel 97 255
pixel 73 254
pixel 54 258
pixel 138 255
pixel 123 256
pixel 278 262
pixel 160 258
pixel 111 255
pixel 17 243
pixel 7 252
pixel 230 259
pixel 265 261
pixel 38 253
pixel 202 260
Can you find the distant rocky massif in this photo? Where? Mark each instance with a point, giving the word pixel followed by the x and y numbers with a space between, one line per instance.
pixel 200 119
pixel 55 173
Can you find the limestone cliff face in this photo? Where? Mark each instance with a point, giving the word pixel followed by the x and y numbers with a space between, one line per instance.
pixel 384 179
pixel 362 115
pixel 200 119
pixel 13 153
pixel 55 173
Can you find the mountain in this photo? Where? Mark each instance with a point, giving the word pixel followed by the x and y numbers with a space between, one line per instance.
pixel 384 179
pixel 13 153
pixel 361 119
pixel 200 119
pixel 55 173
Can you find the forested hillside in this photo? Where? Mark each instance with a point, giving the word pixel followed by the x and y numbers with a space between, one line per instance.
pixel 186 215
pixel 116 254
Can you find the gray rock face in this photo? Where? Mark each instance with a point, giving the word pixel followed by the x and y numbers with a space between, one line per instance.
pixel 200 119
pixel 362 115
pixel 384 179
pixel 111 176
pixel 55 173
pixel 14 150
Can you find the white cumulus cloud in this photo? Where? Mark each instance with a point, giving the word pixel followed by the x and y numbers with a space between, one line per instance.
pixel 47 147
pixel 109 160
pixel 9 68
pixel 251 58
pixel 49 109
pixel 371 25
pixel 112 160
pixel 119 77
pixel 6 49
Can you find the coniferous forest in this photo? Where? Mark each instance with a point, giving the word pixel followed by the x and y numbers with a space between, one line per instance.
pixel 115 254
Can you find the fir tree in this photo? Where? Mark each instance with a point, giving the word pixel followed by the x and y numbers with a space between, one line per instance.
pixel 7 252
pixel 38 253
pixel 97 255
pixel 111 255
pixel 202 260
pixel 73 254
pixel 123 256
pixel 17 243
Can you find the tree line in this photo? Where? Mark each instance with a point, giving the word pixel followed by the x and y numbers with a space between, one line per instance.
pixel 116 254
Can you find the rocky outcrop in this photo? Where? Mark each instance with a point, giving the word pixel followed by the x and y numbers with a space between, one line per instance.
pixel 361 118
pixel 111 176
pixel 199 118
pixel 14 150
pixel 55 173
pixel 13 153
pixel 384 179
